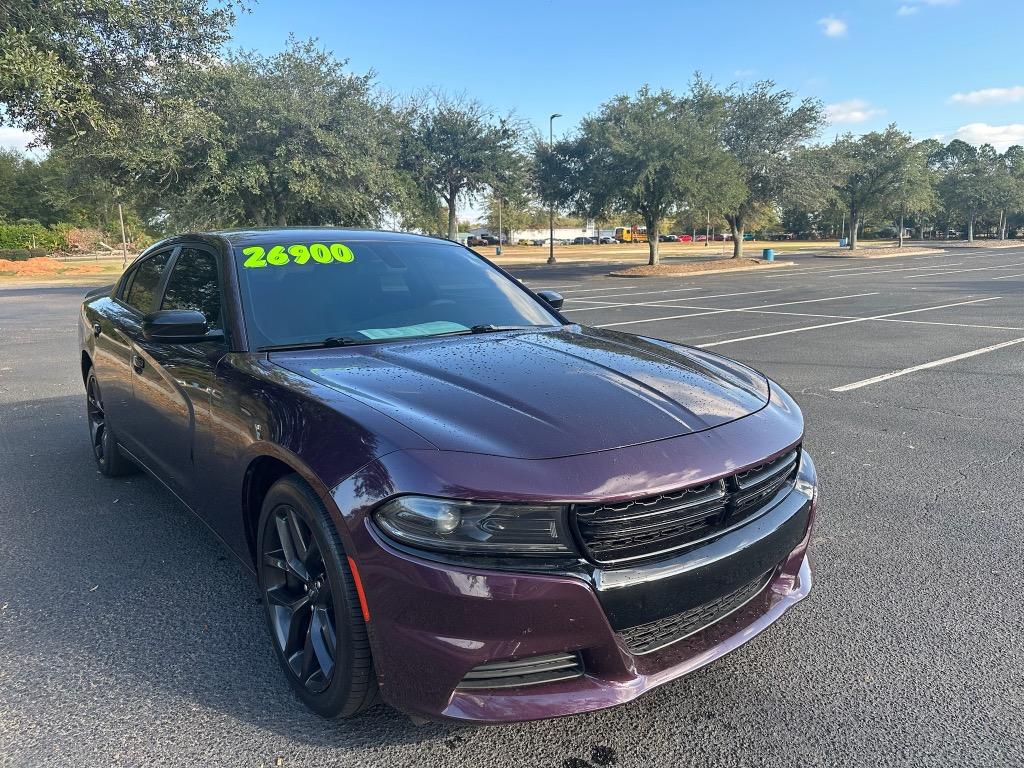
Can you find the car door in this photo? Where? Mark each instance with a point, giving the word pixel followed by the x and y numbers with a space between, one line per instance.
pixel 114 327
pixel 172 382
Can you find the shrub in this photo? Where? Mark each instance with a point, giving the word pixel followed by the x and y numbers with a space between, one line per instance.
pixel 37 252
pixel 30 234
pixel 14 254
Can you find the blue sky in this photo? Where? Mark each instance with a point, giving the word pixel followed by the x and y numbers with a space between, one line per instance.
pixel 942 68
pixel 872 61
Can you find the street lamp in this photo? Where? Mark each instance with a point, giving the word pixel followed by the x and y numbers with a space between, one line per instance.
pixel 551 204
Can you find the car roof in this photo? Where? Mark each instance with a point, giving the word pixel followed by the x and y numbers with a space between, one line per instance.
pixel 284 235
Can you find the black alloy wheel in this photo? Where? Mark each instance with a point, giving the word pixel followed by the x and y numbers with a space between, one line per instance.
pixel 109 459
pixel 312 607
pixel 96 417
pixel 300 600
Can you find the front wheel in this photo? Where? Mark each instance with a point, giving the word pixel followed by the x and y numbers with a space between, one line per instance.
pixel 312 607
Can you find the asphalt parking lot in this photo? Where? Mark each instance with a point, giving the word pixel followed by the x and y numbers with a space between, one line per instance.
pixel 128 636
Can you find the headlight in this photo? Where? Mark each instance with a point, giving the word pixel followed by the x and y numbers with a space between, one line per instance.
pixel 473 527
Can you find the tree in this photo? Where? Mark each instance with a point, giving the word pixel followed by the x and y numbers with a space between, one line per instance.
pixel 458 148
pixel 914 190
pixel 966 188
pixel 1008 186
pixel 23 189
pixel 70 67
pixel 872 170
pixel 645 154
pixel 516 213
pixel 763 130
pixel 258 140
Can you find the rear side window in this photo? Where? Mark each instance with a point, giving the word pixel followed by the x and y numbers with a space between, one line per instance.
pixel 143 282
pixel 193 284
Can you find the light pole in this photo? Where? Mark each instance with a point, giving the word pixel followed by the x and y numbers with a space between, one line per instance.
pixel 498 250
pixel 551 203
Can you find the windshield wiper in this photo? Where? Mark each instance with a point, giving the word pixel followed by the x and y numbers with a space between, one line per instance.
pixel 348 341
pixel 330 341
pixel 487 328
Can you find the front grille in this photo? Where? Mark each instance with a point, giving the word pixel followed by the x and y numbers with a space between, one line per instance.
pixel 654 635
pixel 658 525
pixel 531 671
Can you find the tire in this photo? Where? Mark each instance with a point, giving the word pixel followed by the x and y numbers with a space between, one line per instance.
pixel 309 596
pixel 109 459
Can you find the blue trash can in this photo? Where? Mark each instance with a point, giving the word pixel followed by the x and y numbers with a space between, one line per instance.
pixel 768 254
pixel 843 242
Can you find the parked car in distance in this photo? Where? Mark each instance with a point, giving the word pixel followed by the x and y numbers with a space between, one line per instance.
pixel 686 238
pixel 452 497
pixel 608 240
pixel 582 241
pixel 702 238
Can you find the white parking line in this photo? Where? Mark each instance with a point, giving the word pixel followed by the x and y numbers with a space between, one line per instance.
pixel 1007 277
pixel 662 302
pixel 890 320
pixel 925 366
pixel 972 269
pixel 897 269
pixel 843 322
pixel 634 293
pixel 736 309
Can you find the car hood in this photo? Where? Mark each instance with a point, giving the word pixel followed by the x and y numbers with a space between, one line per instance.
pixel 540 394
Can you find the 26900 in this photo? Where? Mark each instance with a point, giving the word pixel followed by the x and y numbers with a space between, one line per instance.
pixel 280 255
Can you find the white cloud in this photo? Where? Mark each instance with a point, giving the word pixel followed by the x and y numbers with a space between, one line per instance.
pixel 910 7
pixel 832 26
pixel 14 138
pixel 990 96
pixel 999 136
pixel 852 111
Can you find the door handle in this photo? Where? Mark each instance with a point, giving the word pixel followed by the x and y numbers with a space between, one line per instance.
pixel 96 329
pixel 138 363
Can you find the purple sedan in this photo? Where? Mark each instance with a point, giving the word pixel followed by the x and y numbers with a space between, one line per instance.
pixel 453 498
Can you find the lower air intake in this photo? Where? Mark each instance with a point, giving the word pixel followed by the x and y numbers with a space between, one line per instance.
pixel 646 638
pixel 535 670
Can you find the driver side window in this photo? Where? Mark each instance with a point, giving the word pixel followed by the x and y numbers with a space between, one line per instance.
pixel 140 288
pixel 194 284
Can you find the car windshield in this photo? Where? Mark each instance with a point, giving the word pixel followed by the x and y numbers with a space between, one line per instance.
pixel 299 293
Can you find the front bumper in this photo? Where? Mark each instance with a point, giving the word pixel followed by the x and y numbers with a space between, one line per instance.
pixel 431 623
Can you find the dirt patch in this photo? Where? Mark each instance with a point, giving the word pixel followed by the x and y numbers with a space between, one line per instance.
pixel 698 267
pixel 43 266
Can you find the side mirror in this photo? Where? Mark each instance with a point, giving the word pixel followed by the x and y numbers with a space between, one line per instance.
pixel 178 326
pixel 553 298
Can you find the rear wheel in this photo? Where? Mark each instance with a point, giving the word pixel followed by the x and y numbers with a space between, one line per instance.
pixel 312 608
pixel 109 459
